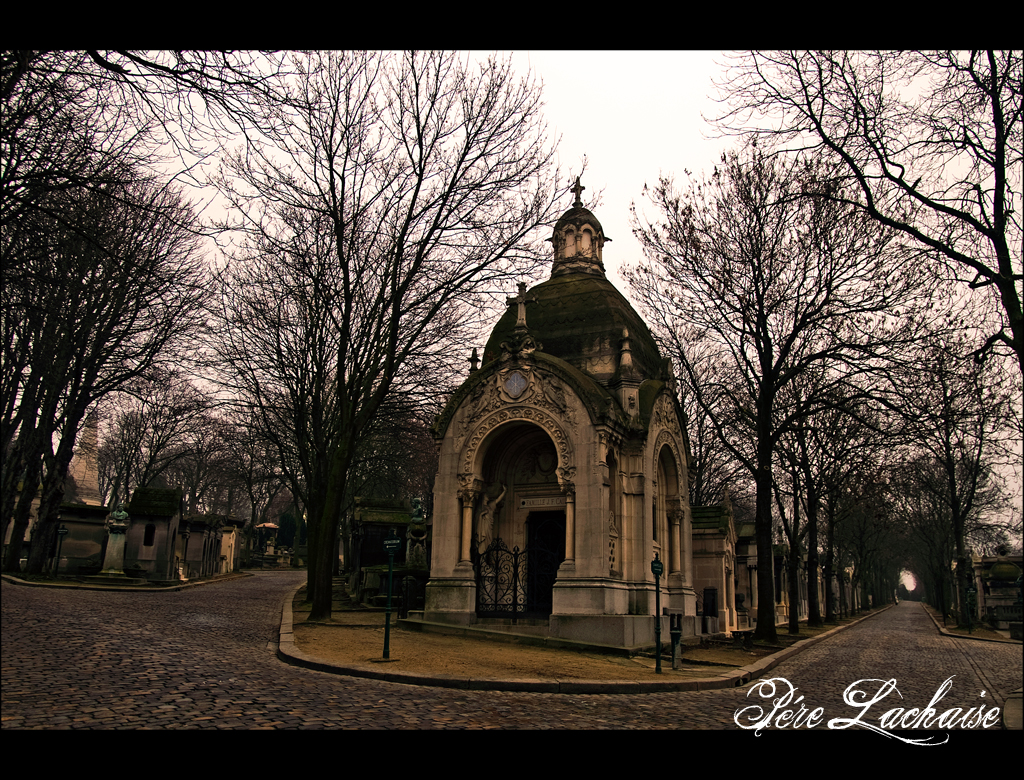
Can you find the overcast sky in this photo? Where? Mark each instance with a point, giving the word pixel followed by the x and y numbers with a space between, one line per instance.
pixel 635 115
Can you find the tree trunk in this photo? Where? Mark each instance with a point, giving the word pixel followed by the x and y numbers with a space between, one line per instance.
pixel 321 565
pixel 22 515
pixel 794 588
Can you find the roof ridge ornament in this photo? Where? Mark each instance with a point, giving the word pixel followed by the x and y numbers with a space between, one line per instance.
pixel 521 300
pixel 578 189
pixel 522 344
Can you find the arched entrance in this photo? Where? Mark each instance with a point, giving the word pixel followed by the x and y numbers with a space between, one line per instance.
pixel 520 525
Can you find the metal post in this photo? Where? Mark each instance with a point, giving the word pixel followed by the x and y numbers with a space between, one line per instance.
pixel 61 533
pixel 391 543
pixel 676 630
pixel 657 567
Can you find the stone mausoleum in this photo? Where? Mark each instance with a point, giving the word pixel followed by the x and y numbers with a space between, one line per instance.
pixel 563 466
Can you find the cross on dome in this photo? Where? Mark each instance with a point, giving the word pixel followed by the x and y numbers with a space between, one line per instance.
pixel 521 300
pixel 578 188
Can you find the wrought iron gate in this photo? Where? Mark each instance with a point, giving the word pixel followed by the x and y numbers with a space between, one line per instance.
pixel 514 583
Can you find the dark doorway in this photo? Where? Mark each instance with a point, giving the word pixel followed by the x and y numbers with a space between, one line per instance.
pixel 545 541
pixel 519 583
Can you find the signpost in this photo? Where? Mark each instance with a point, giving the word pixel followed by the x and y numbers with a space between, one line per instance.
pixel 391 544
pixel 657 568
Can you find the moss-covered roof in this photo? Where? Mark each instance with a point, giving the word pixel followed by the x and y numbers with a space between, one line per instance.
pixel 1003 571
pixel 210 518
pixel 155 501
pixel 714 517
pixel 580 316
pixel 382 510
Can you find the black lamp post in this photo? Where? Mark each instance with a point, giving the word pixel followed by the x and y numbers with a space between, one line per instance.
pixel 657 568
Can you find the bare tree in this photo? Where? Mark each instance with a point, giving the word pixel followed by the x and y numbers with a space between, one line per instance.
pixel 205 467
pixel 102 307
pixel 94 252
pixel 778 285
pixel 964 416
pixel 422 178
pixel 153 417
pixel 930 144
pixel 146 106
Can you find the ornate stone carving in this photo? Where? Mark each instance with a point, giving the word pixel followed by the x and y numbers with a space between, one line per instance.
pixel 538 462
pixel 613 541
pixel 565 479
pixel 664 414
pixel 515 384
pixel 505 414
pixel 554 396
pixel 469 488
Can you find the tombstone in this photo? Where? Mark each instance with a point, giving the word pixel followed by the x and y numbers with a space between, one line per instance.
pixel 113 573
pixel 714 557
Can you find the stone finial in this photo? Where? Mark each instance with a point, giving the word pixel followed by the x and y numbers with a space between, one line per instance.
pixel 577 190
pixel 521 300
pixel 474 361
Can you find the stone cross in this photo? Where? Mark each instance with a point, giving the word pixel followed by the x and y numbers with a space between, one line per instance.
pixel 578 189
pixel 521 300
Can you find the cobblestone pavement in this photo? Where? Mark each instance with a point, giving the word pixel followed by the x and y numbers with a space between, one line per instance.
pixel 203 658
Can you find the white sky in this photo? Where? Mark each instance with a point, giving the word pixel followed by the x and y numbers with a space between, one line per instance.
pixel 635 115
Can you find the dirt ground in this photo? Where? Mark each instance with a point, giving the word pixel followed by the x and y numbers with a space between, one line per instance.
pixel 357 638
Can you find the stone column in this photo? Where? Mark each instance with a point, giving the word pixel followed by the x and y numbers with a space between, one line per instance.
pixel 675 518
pixel 686 533
pixel 570 521
pixel 468 496
pixel 730 594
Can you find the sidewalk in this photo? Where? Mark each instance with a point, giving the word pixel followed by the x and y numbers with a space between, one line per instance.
pixel 336 649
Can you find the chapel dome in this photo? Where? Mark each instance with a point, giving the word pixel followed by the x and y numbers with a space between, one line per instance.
pixel 578 315
pixel 578 240
pixel 580 318
pixel 578 216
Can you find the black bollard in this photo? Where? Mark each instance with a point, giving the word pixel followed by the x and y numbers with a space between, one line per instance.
pixel 676 631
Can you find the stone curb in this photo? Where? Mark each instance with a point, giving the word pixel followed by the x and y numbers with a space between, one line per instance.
pixel 123 588
pixel 942 630
pixel 1013 705
pixel 289 653
pixel 1013 711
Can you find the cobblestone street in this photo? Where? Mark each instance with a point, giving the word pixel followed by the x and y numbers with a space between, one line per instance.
pixel 204 657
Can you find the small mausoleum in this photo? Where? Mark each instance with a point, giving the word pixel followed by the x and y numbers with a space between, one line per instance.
pixel 563 466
